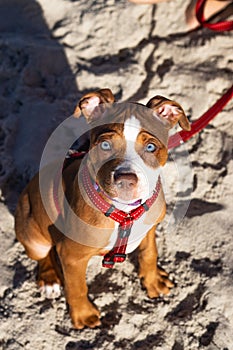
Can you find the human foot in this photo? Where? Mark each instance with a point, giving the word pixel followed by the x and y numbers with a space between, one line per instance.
pixel 211 8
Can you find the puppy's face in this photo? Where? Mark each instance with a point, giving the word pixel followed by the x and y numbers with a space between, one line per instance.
pixel 128 142
pixel 125 159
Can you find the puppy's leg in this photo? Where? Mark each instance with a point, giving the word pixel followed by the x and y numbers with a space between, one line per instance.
pixel 38 248
pixel 48 279
pixel 74 258
pixel 154 279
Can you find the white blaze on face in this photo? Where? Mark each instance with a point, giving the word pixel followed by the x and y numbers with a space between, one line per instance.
pixel 131 130
pixel 147 177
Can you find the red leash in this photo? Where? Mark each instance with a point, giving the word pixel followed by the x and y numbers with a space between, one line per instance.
pixel 220 26
pixel 202 122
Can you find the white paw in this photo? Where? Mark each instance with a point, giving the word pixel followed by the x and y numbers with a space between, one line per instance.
pixel 51 291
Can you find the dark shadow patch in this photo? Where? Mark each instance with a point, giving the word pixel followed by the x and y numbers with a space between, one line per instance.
pixel 186 193
pixel 209 268
pixel 133 258
pixel 111 318
pixel 180 256
pixel 103 337
pixel 10 344
pixel 198 207
pixel 80 345
pixel 135 307
pixel 102 283
pixel 98 343
pixel 45 305
pixel 21 274
pixel 108 64
pixel 36 77
pixel 122 344
pixel 149 342
pixel 208 336
pixel 165 67
pixel 42 305
pixel 63 330
pixel 184 310
pixel 178 346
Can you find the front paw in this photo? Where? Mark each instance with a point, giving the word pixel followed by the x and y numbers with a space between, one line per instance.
pixel 49 285
pixel 156 282
pixel 50 291
pixel 85 314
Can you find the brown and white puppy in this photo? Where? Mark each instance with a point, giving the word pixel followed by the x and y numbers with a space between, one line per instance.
pixel 128 144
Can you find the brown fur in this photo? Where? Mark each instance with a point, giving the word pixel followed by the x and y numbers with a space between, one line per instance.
pixel 39 235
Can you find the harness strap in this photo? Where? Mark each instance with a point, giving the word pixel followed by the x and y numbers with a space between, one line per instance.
pixel 117 254
pixel 125 220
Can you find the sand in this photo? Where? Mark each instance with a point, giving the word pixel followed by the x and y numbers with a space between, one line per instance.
pixel 51 53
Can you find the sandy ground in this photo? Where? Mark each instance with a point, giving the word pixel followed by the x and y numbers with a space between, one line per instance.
pixel 52 52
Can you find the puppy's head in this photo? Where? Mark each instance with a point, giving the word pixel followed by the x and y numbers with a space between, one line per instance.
pixel 128 142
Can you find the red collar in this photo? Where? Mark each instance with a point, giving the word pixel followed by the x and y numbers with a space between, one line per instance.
pixel 117 254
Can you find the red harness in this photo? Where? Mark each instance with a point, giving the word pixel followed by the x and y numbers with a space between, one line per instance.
pixel 126 220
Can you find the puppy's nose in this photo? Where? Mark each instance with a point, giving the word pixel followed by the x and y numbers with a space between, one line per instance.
pixel 125 180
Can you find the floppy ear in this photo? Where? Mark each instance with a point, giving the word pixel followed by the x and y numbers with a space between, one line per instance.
pixel 93 103
pixel 170 111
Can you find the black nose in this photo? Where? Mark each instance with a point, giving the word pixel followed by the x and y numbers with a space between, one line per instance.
pixel 125 179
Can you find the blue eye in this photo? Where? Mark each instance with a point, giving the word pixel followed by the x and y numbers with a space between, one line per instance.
pixel 106 146
pixel 150 147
